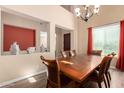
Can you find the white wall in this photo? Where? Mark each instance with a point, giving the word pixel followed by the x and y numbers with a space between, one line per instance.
pixel 59 41
pixel 107 14
pixel 50 13
pixel 16 66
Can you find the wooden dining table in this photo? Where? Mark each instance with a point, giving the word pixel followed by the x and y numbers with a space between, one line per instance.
pixel 79 67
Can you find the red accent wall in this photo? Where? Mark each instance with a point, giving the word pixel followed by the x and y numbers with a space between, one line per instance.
pixel 23 36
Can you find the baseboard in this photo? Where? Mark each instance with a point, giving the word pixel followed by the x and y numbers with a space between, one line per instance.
pixel 112 67
pixel 21 78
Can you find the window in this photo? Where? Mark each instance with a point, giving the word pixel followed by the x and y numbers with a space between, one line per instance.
pixel 43 39
pixel 106 38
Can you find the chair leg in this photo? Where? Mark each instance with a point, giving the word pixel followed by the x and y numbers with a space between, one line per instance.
pixel 99 84
pixel 109 75
pixel 107 80
pixel 47 85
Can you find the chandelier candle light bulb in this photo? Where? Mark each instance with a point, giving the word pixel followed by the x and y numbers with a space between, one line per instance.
pixel 96 9
pixel 77 10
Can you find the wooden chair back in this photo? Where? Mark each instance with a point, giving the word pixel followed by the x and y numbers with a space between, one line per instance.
pixel 72 53
pixel 103 66
pixel 65 54
pixel 53 72
pixel 113 54
pixel 109 62
pixel 97 52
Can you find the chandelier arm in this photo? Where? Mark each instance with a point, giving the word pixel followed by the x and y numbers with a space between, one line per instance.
pixel 86 12
pixel 82 18
pixel 90 15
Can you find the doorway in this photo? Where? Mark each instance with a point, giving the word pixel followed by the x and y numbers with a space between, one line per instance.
pixel 67 41
pixel 63 40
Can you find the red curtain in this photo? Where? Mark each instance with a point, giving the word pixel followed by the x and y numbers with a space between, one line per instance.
pixel 120 63
pixel 89 48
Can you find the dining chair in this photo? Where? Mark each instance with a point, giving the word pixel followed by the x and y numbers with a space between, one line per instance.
pixel 65 54
pixel 72 53
pixel 107 72
pixel 97 52
pixel 113 54
pixel 55 78
pixel 99 76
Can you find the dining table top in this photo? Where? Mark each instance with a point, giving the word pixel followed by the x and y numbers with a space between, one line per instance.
pixel 79 67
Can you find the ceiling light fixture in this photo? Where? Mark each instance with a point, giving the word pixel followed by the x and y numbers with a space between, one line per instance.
pixel 87 11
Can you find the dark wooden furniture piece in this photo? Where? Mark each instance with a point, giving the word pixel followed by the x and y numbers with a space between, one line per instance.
pixel 72 53
pixel 65 54
pixel 97 52
pixel 99 76
pixel 55 78
pixel 107 72
pixel 79 67
pixel 67 41
pixel 113 54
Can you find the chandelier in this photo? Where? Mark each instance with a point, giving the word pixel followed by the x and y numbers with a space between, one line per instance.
pixel 87 11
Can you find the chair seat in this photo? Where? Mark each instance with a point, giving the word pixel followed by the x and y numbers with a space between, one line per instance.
pixel 97 68
pixel 94 76
pixel 66 82
pixel 97 52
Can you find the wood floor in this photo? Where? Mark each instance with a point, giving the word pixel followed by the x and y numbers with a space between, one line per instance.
pixel 117 79
pixel 116 82
pixel 39 81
